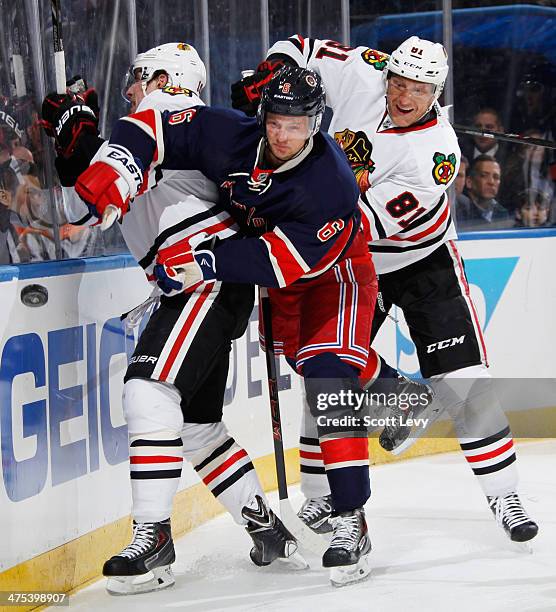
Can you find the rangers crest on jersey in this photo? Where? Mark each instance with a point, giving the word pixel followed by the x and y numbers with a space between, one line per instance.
pixel 358 149
pixel 374 58
pixel 444 168
pixel 184 47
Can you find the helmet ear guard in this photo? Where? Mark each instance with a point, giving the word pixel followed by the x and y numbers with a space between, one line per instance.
pixel 293 91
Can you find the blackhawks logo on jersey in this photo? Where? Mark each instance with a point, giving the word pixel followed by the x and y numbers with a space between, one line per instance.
pixel 444 168
pixel 177 91
pixel 358 149
pixel 376 59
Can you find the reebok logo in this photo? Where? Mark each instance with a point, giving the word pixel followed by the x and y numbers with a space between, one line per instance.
pixel 437 346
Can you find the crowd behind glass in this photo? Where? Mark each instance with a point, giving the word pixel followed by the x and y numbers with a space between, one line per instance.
pixel 500 185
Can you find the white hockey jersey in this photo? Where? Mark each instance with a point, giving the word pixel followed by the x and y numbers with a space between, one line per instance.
pixel 403 173
pixel 183 203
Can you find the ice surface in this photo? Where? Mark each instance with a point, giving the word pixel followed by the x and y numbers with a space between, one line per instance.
pixel 436 547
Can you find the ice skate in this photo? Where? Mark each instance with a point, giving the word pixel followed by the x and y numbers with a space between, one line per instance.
pixel 316 513
pixel 398 436
pixel 347 555
pixel 511 516
pixel 271 539
pixel 144 565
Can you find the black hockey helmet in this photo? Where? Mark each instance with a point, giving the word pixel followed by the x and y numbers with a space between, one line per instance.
pixel 293 91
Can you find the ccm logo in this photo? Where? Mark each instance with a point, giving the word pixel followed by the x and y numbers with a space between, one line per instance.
pixel 143 359
pixel 437 346
pixel 182 116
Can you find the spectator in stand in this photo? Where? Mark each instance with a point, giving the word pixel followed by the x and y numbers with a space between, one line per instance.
pixel 9 239
pixel 528 167
pixel 487 119
pixel 536 98
pixel 460 180
pixel 534 209
pixel 36 230
pixel 461 200
pixel 483 183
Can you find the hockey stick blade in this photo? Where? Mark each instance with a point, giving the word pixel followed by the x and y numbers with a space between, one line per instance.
pixel 110 216
pixel 304 535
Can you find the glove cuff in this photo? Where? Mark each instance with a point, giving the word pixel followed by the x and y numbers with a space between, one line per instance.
pixel 123 162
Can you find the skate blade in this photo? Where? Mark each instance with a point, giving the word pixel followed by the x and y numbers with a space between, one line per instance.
pixel 432 415
pixel 524 548
pixel 158 578
pixel 349 574
pixel 295 561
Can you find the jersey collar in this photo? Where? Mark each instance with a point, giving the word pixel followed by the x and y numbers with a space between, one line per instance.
pixel 289 165
pixel 387 126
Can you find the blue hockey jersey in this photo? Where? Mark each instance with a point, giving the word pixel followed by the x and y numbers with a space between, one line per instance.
pixel 297 220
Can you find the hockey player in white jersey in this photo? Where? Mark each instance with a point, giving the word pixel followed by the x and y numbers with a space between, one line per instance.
pixel 405 155
pixel 174 409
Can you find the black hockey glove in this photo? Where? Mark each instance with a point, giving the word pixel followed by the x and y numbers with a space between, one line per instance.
pixel 72 120
pixel 246 94
pixel 66 117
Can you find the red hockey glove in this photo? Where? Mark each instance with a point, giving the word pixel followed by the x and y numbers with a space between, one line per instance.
pixel 114 178
pixel 180 269
pixel 99 186
pixel 246 94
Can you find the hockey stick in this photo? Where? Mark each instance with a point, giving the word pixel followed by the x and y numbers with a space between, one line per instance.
pixel 526 140
pixel 305 536
pixel 17 59
pixel 59 57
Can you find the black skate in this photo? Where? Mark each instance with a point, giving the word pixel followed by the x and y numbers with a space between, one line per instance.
pixel 144 565
pixel 272 540
pixel 511 516
pixel 347 555
pixel 316 512
pixel 397 436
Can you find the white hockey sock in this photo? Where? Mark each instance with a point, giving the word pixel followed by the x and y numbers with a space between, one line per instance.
pixel 155 464
pixel 493 462
pixel 229 474
pixel 314 482
pixel 481 426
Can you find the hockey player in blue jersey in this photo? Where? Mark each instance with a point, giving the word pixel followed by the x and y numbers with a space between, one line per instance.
pixel 174 411
pixel 296 200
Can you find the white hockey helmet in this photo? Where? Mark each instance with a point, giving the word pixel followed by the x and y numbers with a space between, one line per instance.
pixel 179 60
pixel 420 60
